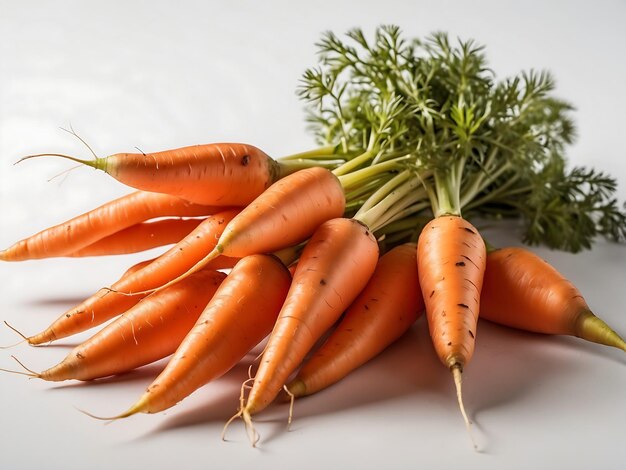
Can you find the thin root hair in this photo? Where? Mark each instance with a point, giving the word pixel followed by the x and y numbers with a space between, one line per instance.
pixel 73 132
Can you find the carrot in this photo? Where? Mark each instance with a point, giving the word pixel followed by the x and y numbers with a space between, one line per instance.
pixel 81 231
pixel 238 317
pixel 383 311
pixel 110 302
pixel 149 331
pixel 334 267
pixel 226 174
pixel 523 291
pixel 140 237
pixel 287 213
pixel 451 264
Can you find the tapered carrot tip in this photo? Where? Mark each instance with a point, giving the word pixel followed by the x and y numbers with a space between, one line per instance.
pixel 591 328
pixel 297 388
pixel 139 407
pixel 97 163
pixel 456 373
pixel 46 336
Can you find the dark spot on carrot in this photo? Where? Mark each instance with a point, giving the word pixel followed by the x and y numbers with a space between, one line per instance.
pixel 460 263
pixel 366 307
pixel 467 229
pixel 463 305
pixel 469 259
pixel 471 334
pixel 67 315
pixel 432 293
pixel 80 356
pixel 449 343
pixel 220 222
pixel 245 160
pixel 323 282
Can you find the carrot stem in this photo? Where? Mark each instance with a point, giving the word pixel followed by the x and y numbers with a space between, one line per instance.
pixel 320 153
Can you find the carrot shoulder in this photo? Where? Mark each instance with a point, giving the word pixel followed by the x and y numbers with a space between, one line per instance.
pixel 523 291
pixel 334 267
pixel 238 317
pixel 149 331
pixel 388 305
pixel 85 229
pixel 107 303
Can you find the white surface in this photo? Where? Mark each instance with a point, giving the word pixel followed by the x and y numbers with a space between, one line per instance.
pixel 160 75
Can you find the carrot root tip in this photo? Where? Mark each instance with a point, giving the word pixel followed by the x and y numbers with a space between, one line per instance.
pixel 253 435
pixel 24 338
pixel 297 388
pixel 138 407
pixel 292 398
pixel 457 374
pixel 232 418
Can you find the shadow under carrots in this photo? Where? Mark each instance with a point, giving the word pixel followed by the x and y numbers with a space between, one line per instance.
pixel 60 302
pixel 508 365
pixel 220 401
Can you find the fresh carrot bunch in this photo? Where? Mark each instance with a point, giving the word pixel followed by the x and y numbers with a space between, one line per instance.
pixel 351 241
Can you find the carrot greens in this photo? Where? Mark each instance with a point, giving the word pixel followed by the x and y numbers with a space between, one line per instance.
pixel 493 147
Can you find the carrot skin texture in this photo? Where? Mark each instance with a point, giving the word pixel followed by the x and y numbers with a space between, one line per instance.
pixel 106 303
pixel 240 314
pixel 149 331
pixel 287 213
pixel 451 264
pixel 385 309
pixel 226 174
pixel 140 237
pixel 523 291
pixel 87 228
pixel 334 267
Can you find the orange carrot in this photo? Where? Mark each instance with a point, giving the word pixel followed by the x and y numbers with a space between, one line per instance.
pixel 149 331
pixel 136 267
pixel 238 317
pixel 110 302
pixel 334 267
pixel 383 311
pixel 287 213
pixel 77 233
pixel 140 237
pixel 226 174
pixel 523 291
pixel 451 264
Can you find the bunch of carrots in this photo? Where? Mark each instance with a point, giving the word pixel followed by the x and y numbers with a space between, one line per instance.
pixel 351 241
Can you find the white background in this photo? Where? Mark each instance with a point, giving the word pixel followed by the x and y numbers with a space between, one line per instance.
pixel 158 75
